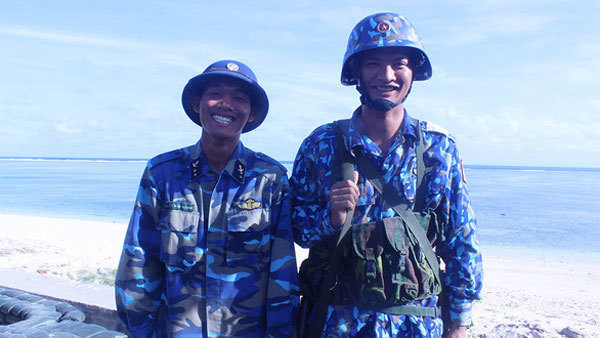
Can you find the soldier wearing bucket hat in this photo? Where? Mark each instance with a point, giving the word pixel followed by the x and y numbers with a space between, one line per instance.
pixel 233 70
pixel 209 248
pixel 380 199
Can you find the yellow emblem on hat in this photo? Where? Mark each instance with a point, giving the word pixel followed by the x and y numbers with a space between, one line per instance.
pixel 233 67
pixel 249 204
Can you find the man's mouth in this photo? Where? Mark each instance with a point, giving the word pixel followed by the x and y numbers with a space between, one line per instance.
pixel 222 119
pixel 386 88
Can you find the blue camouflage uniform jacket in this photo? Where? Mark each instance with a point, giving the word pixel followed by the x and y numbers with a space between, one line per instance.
pixel 446 193
pixel 209 254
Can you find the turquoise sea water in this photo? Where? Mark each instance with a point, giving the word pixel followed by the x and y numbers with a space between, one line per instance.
pixel 520 207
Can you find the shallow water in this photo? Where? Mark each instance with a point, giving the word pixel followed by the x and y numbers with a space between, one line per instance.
pixel 539 208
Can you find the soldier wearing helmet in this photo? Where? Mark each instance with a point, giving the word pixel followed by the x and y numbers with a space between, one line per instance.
pixel 209 248
pixel 378 230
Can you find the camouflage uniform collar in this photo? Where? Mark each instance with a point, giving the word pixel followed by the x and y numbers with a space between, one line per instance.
pixel 236 166
pixel 408 127
pixel 198 162
pixel 196 151
pixel 357 138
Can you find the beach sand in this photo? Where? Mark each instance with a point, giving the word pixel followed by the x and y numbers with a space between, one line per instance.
pixel 526 293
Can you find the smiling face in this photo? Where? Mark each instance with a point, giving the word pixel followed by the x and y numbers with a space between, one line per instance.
pixel 224 109
pixel 386 73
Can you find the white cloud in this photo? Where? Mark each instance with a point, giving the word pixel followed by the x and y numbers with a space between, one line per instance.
pixel 496 20
pixel 595 104
pixel 514 125
pixel 68 127
pixel 67 38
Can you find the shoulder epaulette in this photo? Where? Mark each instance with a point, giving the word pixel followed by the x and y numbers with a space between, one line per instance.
pixel 322 132
pixel 434 128
pixel 168 156
pixel 269 159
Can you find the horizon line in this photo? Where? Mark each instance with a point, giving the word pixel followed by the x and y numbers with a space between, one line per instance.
pixel 468 166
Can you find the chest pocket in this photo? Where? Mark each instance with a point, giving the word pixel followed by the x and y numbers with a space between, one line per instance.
pixel 179 234
pixel 248 237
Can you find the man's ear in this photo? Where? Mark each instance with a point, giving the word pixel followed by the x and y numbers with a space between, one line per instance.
pixel 252 116
pixel 355 64
pixel 196 104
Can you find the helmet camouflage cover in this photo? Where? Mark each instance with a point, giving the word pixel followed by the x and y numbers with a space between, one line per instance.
pixel 385 30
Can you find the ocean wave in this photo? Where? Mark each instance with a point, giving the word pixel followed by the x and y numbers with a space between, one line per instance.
pixel 74 159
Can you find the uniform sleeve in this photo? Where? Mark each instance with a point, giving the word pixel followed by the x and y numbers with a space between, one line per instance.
pixel 309 189
pixel 459 249
pixel 283 290
pixel 139 280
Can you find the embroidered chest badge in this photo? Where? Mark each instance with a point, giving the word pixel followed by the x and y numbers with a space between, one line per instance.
pixel 249 204
pixel 179 205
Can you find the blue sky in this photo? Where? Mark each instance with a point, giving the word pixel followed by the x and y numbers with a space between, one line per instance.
pixel 516 82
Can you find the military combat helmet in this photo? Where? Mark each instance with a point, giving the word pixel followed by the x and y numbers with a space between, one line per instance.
pixel 385 30
pixel 227 69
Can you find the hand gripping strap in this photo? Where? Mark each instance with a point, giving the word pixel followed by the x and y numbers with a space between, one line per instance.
pixel 345 164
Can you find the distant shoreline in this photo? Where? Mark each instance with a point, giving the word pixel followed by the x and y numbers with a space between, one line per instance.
pixel 71 159
pixel 530 168
pixel 290 162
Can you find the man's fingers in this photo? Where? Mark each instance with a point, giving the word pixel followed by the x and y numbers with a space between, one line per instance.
pixel 343 206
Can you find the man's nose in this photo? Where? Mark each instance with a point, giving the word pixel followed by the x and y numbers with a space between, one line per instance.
pixel 388 73
pixel 226 102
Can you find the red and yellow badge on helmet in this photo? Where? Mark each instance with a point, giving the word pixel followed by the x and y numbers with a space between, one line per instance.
pixel 383 27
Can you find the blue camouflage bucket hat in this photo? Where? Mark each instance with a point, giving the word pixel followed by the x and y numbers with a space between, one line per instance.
pixel 385 30
pixel 227 69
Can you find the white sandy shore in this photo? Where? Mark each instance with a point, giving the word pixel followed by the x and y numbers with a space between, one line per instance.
pixel 526 293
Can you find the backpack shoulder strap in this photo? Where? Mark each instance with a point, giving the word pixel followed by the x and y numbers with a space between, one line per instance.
pixel 343 166
pixel 341 156
pixel 421 169
pixel 343 169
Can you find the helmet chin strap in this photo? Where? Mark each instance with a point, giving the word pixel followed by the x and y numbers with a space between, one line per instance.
pixel 377 104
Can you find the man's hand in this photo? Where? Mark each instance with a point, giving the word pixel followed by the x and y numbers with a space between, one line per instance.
pixel 343 198
pixel 456 331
